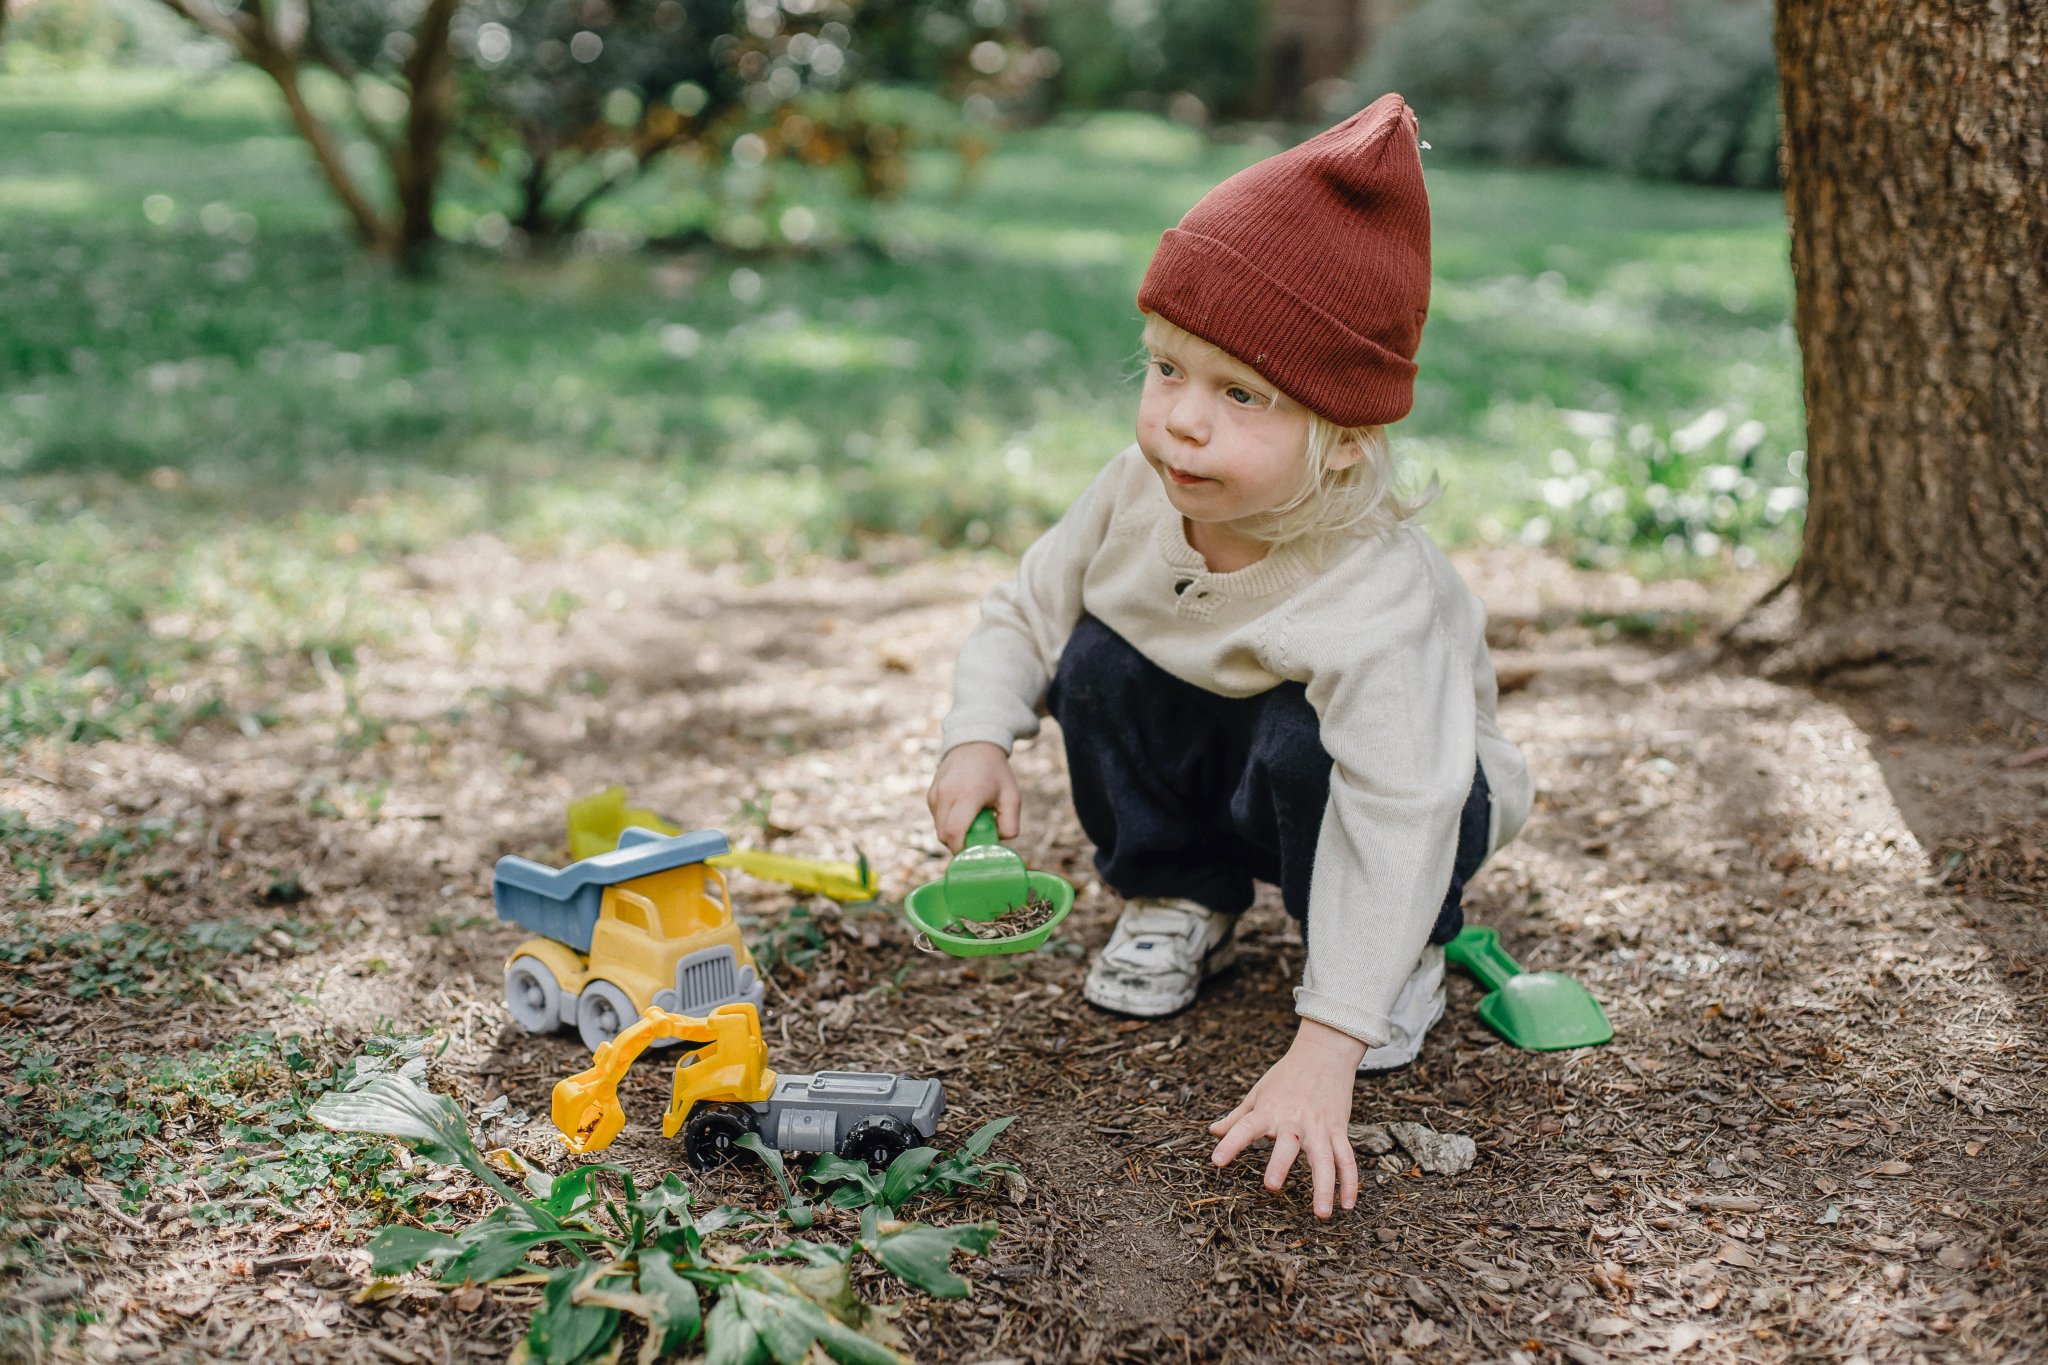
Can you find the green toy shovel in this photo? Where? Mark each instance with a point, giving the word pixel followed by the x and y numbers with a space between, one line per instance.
pixel 1539 1011
pixel 985 879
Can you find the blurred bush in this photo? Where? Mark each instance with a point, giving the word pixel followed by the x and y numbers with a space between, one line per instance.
pixel 1649 87
pixel 565 101
pixel 560 103
pixel 1114 53
pixel 1705 491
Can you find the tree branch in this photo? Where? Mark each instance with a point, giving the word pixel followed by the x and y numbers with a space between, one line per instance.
pixel 248 32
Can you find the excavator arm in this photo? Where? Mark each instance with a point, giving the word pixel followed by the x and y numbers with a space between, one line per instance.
pixel 732 1066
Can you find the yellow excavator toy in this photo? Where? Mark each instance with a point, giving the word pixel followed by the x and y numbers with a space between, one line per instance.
pixel 725 1090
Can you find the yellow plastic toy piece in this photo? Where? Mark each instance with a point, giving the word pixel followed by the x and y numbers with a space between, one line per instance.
pixel 733 1067
pixel 840 881
pixel 596 822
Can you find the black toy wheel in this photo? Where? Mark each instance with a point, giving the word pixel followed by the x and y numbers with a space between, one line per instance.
pixel 712 1133
pixel 878 1141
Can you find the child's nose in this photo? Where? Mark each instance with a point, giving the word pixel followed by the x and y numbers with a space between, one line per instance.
pixel 1188 419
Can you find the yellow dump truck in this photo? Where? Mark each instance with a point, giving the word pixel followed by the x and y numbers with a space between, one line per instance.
pixel 646 925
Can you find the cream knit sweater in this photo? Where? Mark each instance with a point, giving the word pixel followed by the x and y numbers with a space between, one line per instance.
pixel 1391 646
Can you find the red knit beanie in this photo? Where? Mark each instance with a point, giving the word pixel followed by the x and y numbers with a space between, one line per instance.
pixel 1312 267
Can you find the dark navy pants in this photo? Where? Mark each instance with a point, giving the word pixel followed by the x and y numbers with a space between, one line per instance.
pixel 1189 794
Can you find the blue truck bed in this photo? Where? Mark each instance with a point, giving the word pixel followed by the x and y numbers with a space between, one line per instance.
pixel 562 903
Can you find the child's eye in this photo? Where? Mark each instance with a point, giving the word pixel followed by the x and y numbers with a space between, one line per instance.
pixel 1240 395
pixel 1165 368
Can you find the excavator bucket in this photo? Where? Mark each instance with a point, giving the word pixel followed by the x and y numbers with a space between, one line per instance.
pixel 586 1105
pixel 588 1122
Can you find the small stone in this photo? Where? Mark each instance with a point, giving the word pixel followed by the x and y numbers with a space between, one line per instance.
pixel 1437 1153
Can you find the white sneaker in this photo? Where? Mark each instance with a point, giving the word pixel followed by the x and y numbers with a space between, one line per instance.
pixel 1421 1004
pixel 1158 955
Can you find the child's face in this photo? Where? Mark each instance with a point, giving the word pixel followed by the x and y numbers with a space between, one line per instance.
pixel 1226 443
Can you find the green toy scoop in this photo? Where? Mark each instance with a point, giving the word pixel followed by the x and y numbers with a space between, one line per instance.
pixel 985 879
pixel 1539 1011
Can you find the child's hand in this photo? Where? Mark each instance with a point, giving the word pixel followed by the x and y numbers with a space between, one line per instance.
pixel 971 778
pixel 1303 1103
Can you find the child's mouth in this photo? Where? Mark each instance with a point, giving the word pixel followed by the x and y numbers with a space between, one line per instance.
pixel 1183 479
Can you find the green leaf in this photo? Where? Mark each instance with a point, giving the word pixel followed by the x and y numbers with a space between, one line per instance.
pixel 493 1253
pixel 906 1174
pixel 985 1136
pixel 794 1209
pixel 815 1306
pixel 563 1331
pixel 723 1217
pixel 395 1250
pixel 570 1192
pixel 667 1205
pixel 397 1106
pixel 770 1158
pixel 921 1255
pixel 780 1319
pixel 677 1312
pixel 829 1169
pixel 392 1106
pixel 729 1339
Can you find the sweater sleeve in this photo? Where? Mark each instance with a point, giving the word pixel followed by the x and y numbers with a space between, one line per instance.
pixel 1008 659
pixel 1398 717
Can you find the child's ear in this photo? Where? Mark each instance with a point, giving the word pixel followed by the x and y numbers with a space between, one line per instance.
pixel 1344 454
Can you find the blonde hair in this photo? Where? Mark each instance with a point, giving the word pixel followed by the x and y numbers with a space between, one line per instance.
pixel 1363 498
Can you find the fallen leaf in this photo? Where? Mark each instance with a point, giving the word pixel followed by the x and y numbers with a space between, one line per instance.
pixel 467 1299
pixel 1609 1327
pixel 1893 1168
pixel 1956 1256
pixel 1420 1333
pixel 1734 1253
pixel 1833 1214
pixel 1684 1337
pixel 377 1290
pixel 1727 1203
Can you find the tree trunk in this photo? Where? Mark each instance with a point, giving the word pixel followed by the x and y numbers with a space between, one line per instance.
pixel 416 161
pixel 1916 179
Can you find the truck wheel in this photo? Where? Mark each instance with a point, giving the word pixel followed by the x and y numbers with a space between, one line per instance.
pixel 878 1140
pixel 602 1013
pixel 533 995
pixel 712 1133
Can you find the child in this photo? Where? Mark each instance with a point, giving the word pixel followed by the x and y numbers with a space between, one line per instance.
pixel 1261 668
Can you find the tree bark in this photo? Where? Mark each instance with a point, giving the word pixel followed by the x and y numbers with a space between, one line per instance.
pixel 1916 180
pixel 416 162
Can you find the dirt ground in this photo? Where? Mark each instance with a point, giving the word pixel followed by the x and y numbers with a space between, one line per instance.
pixel 1815 923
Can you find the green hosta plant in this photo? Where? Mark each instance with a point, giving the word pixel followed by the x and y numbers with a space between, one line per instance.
pixel 650 1254
pixel 915 1172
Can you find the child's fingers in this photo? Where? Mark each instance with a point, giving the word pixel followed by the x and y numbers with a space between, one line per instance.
pixel 1285 1148
pixel 1241 1136
pixel 1347 1174
pixel 946 822
pixel 1220 1125
pixel 1322 1175
pixel 1009 809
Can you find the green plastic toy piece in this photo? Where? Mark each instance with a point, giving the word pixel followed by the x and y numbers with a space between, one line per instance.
pixel 1538 1011
pixel 931 915
pixel 983 882
pixel 984 879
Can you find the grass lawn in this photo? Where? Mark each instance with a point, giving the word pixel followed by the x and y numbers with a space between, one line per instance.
pixel 216 417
